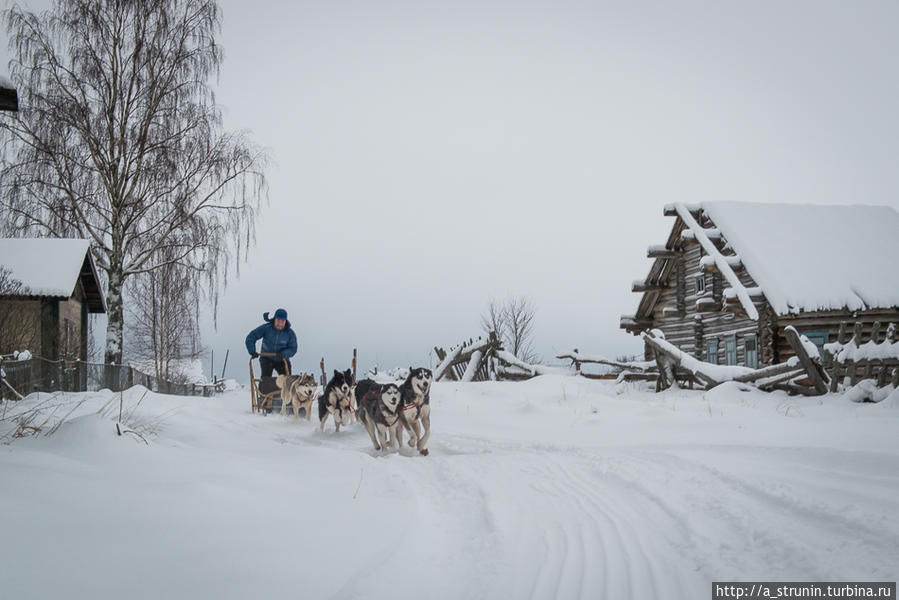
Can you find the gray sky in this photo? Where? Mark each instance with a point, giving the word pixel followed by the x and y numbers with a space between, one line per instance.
pixel 430 155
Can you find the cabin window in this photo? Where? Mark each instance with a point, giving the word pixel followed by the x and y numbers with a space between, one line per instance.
pixel 700 284
pixel 711 351
pixel 751 350
pixel 818 338
pixel 730 350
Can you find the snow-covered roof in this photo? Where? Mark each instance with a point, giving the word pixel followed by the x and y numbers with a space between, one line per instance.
pixel 50 266
pixel 812 257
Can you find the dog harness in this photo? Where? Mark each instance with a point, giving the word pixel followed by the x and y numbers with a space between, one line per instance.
pixel 382 419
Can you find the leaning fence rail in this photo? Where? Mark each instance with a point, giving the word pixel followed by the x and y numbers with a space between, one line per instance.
pixel 38 374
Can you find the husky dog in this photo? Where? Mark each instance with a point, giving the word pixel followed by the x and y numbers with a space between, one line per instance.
pixel 299 391
pixel 415 407
pixel 377 409
pixel 336 399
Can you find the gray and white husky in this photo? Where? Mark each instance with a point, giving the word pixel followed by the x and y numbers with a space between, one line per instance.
pixel 378 410
pixel 298 391
pixel 415 407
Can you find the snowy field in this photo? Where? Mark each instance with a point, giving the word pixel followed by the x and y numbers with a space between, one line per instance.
pixel 551 488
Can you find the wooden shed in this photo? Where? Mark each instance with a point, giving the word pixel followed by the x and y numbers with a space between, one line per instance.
pixel 51 286
pixel 732 276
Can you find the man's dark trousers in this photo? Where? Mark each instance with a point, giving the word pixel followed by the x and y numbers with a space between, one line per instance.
pixel 268 364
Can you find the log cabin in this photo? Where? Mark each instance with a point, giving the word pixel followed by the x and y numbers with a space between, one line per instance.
pixel 732 276
pixel 50 287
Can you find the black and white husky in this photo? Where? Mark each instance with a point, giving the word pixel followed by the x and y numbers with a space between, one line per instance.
pixel 415 407
pixel 377 409
pixel 336 400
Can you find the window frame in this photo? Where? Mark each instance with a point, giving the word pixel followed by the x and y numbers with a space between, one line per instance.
pixel 732 341
pixel 700 289
pixel 711 351
pixel 754 363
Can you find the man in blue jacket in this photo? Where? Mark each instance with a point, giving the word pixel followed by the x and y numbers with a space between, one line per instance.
pixel 278 338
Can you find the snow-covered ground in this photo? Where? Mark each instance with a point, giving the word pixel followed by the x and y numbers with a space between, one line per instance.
pixel 557 487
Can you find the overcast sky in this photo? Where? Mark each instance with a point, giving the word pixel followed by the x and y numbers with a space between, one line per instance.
pixel 428 156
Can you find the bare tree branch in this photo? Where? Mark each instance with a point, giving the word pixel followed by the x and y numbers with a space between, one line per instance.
pixel 513 322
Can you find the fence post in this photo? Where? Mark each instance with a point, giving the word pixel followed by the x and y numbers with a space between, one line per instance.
pixel 841 335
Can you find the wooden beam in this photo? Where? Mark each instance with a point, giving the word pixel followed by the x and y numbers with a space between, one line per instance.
pixel 807 363
pixel 629 323
pixel 778 379
pixel 676 361
pixel 642 286
pixel 796 389
pixel 766 372
pixel 711 267
pixel 574 357
pixel 671 211
pixel 713 233
pixel 630 376
pixel 657 252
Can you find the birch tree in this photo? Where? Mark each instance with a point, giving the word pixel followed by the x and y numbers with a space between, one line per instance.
pixel 119 140
pixel 163 312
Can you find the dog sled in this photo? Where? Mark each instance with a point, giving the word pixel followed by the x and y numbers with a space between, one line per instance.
pixel 265 395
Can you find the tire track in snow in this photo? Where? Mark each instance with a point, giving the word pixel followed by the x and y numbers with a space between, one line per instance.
pixel 614 536
pixel 740 527
pixel 448 544
pixel 585 522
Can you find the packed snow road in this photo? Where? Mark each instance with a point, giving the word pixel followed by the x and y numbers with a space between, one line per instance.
pixel 552 488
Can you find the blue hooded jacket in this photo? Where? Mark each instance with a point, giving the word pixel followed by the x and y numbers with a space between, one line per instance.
pixel 282 342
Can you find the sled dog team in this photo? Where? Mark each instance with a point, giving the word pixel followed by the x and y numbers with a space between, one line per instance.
pixel 385 409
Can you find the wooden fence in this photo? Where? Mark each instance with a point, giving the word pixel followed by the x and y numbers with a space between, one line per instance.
pixel 851 359
pixel 42 375
pixel 483 360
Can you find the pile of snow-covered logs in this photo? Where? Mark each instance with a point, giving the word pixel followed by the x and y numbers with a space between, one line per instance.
pixel 672 365
pixel 483 360
pixel 801 374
